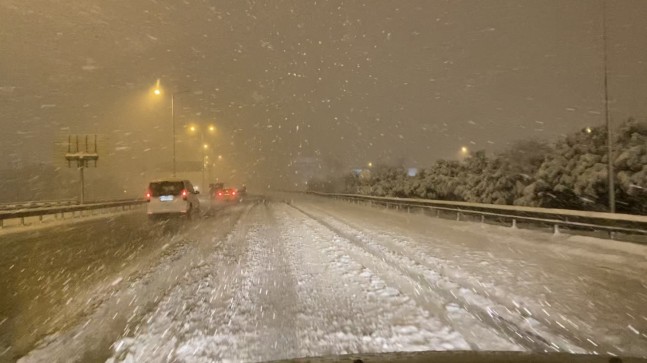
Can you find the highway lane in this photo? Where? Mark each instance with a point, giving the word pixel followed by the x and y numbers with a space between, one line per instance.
pixel 298 275
pixel 53 276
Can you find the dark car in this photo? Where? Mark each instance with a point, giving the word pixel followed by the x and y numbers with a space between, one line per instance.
pixel 227 195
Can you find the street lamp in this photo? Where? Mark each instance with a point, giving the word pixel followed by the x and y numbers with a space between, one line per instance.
pixel 204 162
pixel 205 146
pixel 158 91
pixel 607 115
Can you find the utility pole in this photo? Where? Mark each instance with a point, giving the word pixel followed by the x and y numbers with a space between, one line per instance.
pixel 173 126
pixel 610 158
pixel 204 154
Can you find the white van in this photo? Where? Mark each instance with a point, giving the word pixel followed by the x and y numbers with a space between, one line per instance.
pixel 172 197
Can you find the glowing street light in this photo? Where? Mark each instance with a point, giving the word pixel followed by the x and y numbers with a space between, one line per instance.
pixel 196 129
pixel 588 130
pixel 464 150
pixel 370 164
pixel 157 92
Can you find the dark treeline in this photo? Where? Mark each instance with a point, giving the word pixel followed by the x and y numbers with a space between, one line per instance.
pixel 570 174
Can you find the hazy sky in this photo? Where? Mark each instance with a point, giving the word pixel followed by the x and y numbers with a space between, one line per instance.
pixel 351 81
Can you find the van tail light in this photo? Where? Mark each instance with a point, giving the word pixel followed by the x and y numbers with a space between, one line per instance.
pixel 148 196
pixel 184 194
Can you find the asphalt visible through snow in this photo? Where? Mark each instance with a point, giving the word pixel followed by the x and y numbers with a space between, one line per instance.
pixel 294 276
pixel 53 276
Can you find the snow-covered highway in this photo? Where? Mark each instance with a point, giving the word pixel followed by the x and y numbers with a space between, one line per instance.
pixel 292 276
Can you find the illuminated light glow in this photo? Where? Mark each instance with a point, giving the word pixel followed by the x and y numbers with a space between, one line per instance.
pixel 157 91
pixel 464 149
pixel 588 130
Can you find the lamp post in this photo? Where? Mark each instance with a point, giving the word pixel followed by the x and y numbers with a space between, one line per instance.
pixel 203 146
pixel 607 116
pixel 204 162
pixel 158 91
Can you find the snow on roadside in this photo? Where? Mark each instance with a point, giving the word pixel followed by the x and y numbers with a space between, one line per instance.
pixel 448 281
pixel 498 284
pixel 533 313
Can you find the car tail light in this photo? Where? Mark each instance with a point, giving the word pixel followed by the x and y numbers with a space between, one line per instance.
pixel 233 193
pixel 148 196
pixel 184 194
pixel 220 194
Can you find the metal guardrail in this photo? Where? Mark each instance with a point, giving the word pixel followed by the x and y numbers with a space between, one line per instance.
pixel 37 204
pixel 571 219
pixel 61 210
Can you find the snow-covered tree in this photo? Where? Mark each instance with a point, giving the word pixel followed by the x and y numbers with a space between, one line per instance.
pixel 572 174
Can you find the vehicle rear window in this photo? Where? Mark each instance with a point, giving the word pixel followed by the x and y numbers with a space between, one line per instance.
pixel 166 188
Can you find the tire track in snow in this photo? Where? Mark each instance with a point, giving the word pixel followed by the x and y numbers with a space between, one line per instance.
pixel 474 293
pixel 203 315
pixel 376 279
pixel 529 335
pixel 272 292
pixel 237 306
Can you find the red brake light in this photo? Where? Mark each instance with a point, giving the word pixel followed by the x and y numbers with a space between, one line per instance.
pixel 219 193
pixel 184 194
pixel 233 193
pixel 148 195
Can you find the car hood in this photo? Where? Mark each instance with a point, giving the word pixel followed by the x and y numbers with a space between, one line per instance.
pixel 466 357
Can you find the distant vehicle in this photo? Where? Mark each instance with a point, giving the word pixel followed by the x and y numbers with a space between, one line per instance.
pixel 215 187
pixel 227 195
pixel 242 191
pixel 172 197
